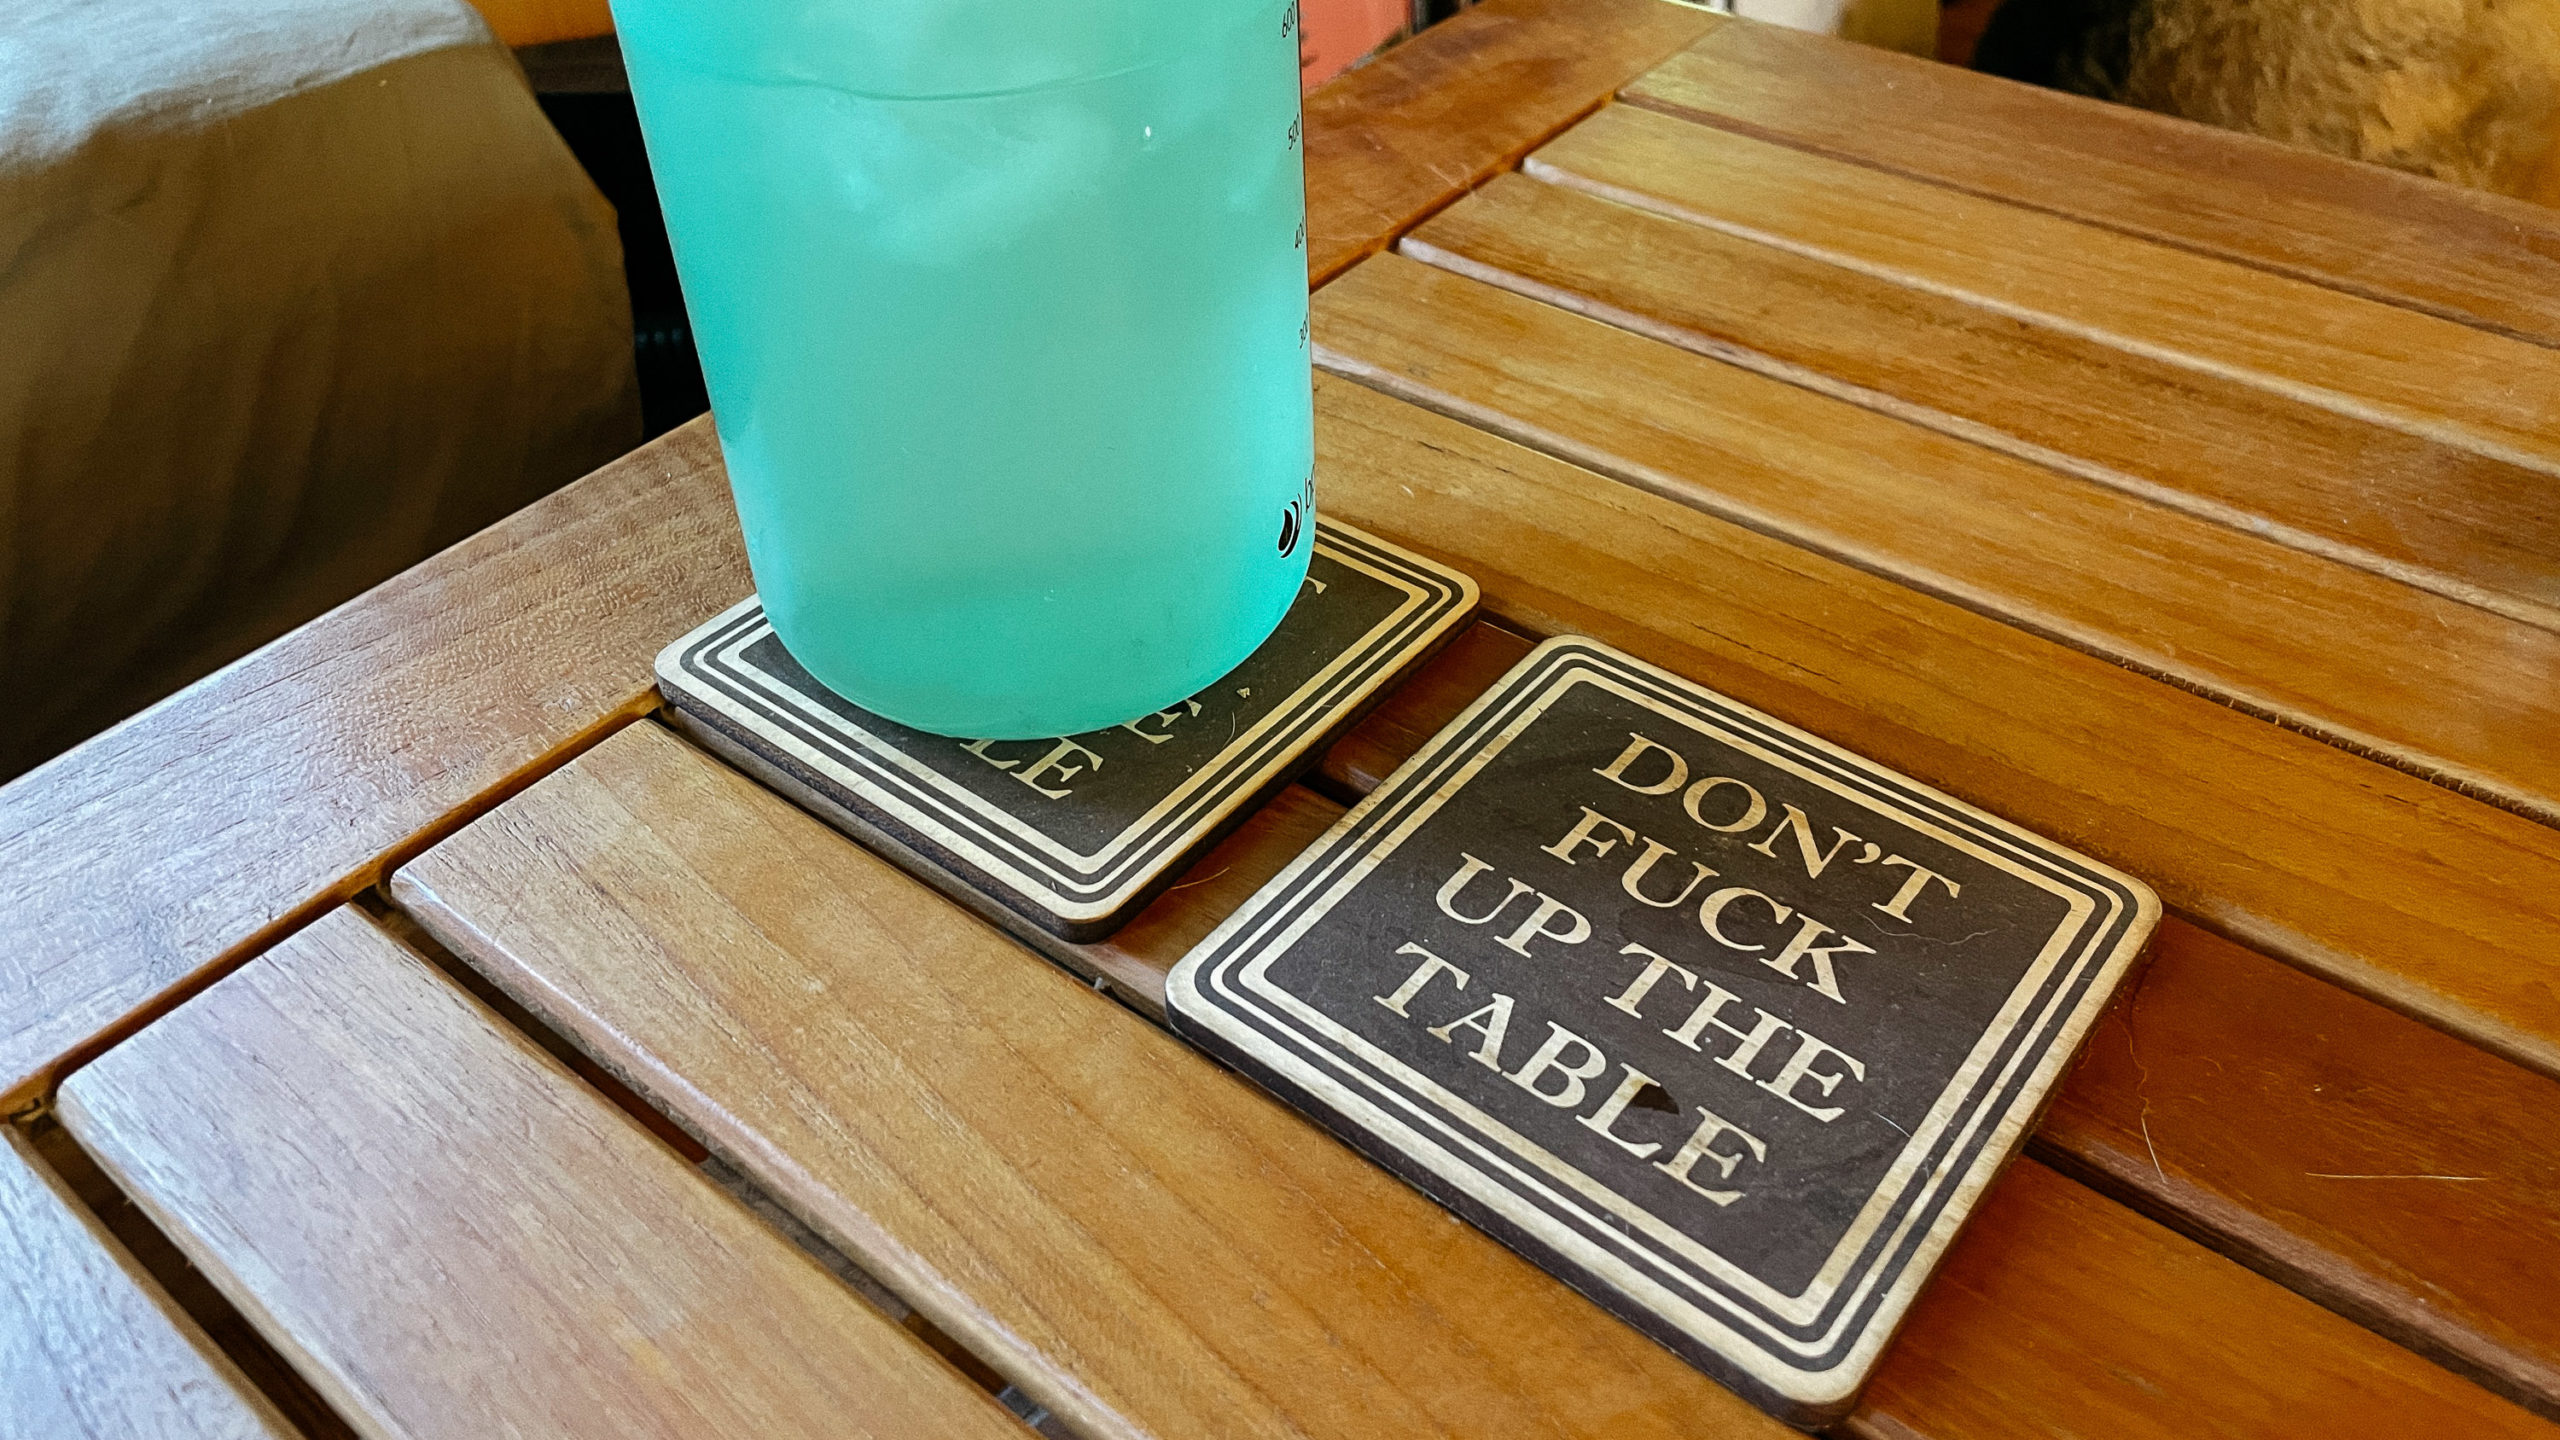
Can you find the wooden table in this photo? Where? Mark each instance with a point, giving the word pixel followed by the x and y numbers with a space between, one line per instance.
pixel 406 1034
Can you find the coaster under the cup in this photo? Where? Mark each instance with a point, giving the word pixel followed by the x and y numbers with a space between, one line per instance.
pixel 1720 1023
pixel 1073 834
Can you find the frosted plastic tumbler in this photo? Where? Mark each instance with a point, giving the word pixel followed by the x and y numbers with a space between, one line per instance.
pixel 1003 309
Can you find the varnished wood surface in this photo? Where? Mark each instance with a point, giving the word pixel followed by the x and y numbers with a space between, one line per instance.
pixel 184 839
pixel 2394 1173
pixel 2363 228
pixel 2388 1171
pixel 1143 1243
pixel 1398 138
pixel 2429 376
pixel 2434 903
pixel 1128 961
pixel 2437 687
pixel 1416 710
pixel 2431 514
pixel 2141 1319
pixel 989 1130
pixel 149 860
pixel 90 1347
pixel 449 1235
pixel 2059 1312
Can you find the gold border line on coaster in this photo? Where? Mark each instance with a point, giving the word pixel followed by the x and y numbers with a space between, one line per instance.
pixel 1453 1122
pixel 988 844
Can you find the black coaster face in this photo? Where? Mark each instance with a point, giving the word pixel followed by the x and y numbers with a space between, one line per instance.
pixel 1720 1023
pixel 1074 834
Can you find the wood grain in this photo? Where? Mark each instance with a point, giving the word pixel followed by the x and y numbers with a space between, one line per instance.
pixel 154 858
pixel 1035 1169
pixel 2436 687
pixel 1133 963
pixel 2429 376
pixel 1416 710
pixel 1141 1242
pixel 2432 515
pixel 1128 962
pixel 449 1235
pixel 2387 1170
pixel 2462 253
pixel 2435 904
pixel 157 855
pixel 2058 1312
pixel 1398 138
pixel 90 1347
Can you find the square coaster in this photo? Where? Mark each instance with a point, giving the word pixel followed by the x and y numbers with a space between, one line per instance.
pixel 1718 1022
pixel 1074 834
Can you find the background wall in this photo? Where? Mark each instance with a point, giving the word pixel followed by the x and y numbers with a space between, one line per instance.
pixel 1338 32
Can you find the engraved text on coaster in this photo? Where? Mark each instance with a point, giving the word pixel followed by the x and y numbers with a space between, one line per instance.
pixel 1076 832
pixel 1720 1023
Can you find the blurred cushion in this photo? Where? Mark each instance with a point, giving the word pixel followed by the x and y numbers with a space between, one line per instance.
pixel 292 294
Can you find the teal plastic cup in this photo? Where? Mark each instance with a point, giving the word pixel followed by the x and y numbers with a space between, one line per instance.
pixel 1002 306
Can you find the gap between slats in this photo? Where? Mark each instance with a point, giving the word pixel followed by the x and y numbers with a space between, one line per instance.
pixel 1355 774
pixel 1531 437
pixel 2452 587
pixel 2460 254
pixel 2330 723
pixel 31 1095
pixel 1665 106
pixel 2379 386
pixel 716 1170
pixel 159 1258
pixel 239 1339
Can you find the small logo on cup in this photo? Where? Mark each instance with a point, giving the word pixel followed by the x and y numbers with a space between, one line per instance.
pixel 1293 520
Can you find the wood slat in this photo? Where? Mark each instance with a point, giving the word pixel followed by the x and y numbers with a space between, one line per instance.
pixel 449 1235
pixel 1128 962
pixel 2429 376
pixel 2432 515
pixel 2275 1116
pixel 2387 1170
pixel 1049 1170
pixel 2280 1074
pixel 149 860
pixel 1398 138
pixel 184 839
pixel 2462 253
pixel 2439 688
pixel 1416 710
pixel 2058 1312
pixel 1143 1243
pixel 2436 904
pixel 90 1347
